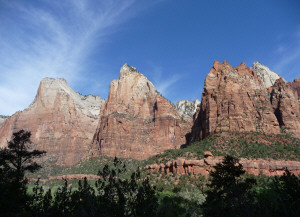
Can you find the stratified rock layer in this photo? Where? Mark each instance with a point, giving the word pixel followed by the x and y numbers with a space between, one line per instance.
pixel 285 102
pixel 62 122
pixel 136 121
pixel 187 108
pixel 205 166
pixel 233 99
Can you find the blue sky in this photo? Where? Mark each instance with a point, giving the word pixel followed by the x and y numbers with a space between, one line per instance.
pixel 172 42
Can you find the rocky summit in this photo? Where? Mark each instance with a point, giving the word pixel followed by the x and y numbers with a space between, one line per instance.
pixel 62 122
pixel 234 99
pixel 267 76
pixel 136 120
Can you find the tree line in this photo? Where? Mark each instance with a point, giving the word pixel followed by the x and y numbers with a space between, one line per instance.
pixel 229 191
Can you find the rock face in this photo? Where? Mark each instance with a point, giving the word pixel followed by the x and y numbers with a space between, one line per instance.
pixel 187 108
pixel 233 99
pixel 2 119
pixel 267 76
pixel 286 105
pixel 295 85
pixel 205 165
pixel 62 122
pixel 136 121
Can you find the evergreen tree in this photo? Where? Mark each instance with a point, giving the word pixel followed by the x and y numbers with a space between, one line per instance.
pixel 15 160
pixel 229 193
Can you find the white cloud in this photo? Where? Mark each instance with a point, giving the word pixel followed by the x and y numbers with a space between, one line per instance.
pixel 163 85
pixel 287 62
pixel 50 39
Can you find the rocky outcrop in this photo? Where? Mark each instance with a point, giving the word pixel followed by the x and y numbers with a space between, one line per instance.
pixel 187 108
pixel 136 121
pixel 62 122
pixel 267 76
pixel 67 177
pixel 2 119
pixel 205 165
pixel 285 102
pixel 295 85
pixel 233 99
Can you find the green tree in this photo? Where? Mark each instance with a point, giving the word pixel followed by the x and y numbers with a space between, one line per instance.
pixel 15 160
pixel 121 196
pixel 287 188
pixel 229 194
pixel 40 203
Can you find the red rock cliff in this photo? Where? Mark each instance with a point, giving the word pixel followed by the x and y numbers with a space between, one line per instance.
pixel 136 121
pixel 286 105
pixel 62 122
pixel 233 99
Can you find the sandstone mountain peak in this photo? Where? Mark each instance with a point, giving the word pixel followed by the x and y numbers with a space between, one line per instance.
pixel 136 121
pixel 50 88
pixel 62 121
pixel 233 99
pixel 268 77
pixel 127 70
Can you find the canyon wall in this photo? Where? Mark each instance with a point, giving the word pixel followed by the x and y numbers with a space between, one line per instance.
pixel 233 99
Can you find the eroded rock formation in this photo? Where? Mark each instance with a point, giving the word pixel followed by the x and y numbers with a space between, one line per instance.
pixel 187 108
pixel 136 121
pixel 233 99
pixel 295 85
pixel 267 76
pixel 62 122
pixel 285 102
pixel 205 165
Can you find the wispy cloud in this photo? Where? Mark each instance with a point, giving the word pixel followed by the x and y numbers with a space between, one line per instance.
pixel 162 83
pixel 288 56
pixel 50 39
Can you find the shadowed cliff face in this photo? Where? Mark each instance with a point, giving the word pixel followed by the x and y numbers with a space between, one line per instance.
pixel 136 121
pixel 62 122
pixel 286 105
pixel 234 99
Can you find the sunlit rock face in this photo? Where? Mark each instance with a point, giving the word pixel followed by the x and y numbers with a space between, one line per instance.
pixel 136 121
pixel 204 166
pixel 267 76
pixel 62 122
pixel 234 99
pixel 187 108
pixel 286 105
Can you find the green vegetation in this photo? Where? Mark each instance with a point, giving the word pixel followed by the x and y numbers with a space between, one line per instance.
pixel 251 145
pixel 124 190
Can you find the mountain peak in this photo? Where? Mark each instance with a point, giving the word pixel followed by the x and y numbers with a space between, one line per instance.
pixel 267 76
pixel 52 91
pixel 127 69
